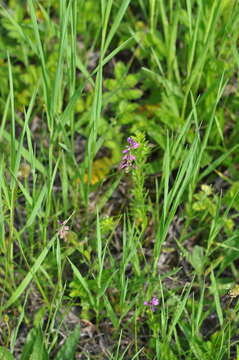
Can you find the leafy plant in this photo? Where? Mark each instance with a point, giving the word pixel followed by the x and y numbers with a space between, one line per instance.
pixel 35 347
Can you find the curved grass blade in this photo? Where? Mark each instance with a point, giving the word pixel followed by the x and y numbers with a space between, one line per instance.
pixel 26 281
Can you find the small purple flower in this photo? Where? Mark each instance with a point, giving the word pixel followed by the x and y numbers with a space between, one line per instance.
pixel 126 150
pixel 129 157
pixel 133 144
pixel 152 303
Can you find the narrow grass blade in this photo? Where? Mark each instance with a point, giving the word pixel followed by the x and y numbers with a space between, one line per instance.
pixel 28 278
pixel 217 298
pixel 216 163
pixel 83 282
pixel 116 23
pixel 36 209
pixel 110 312
pixel 25 153
pixel 178 313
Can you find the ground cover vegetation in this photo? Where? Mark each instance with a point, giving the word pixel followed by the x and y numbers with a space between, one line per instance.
pixel 119 179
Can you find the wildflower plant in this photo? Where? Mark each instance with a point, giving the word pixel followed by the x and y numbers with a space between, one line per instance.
pixel 139 193
pixel 134 160
pixel 152 306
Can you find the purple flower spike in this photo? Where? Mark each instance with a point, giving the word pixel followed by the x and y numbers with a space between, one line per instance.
pixel 127 161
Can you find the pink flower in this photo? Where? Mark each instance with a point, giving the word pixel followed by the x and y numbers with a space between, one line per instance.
pixel 63 230
pixel 127 162
pixel 133 144
pixel 152 303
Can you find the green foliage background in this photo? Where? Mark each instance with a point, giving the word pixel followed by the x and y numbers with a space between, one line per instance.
pixel 77 79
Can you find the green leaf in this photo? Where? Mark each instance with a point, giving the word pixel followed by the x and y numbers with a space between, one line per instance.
pixel 233 195
pixel 28 347
pixel 39 351
pixel 34 349
pixel 216 295
pixel 131 80
pixel 83 282
pixel 116 23
pixel 178 312
pixel 197 259
pixel 5 354
pixel 110 84
pixel 133 94
pixel 68 349
pixel 110 312
pixel 120 70
pixel 37 207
